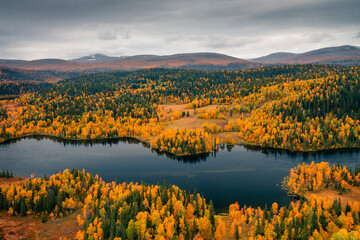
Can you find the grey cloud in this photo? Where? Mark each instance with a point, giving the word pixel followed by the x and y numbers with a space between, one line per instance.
pixel 246 28
pixel 219 42
pixel 114 34
pixel 316 14
pixel 107 35
pixel 358 35
pixel 316 37
pixel 126 35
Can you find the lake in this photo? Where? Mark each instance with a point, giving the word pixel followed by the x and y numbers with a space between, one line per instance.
pixel 233 174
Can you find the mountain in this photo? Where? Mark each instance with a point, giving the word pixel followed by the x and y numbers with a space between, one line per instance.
pixel 185 60
pixel 274 57
pixel 99 62
pixel 41 64
pixel 95 58
pixel 342 55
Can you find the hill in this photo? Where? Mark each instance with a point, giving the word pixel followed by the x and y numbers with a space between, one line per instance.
pixel 42 64
pixel 95 58
pixel 206 61
pixel 8 74
pixel 342 55
pixel 15 82
pixel 100 62
pixel 274 57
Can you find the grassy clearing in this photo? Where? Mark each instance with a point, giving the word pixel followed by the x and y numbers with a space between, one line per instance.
pixel 224 137
pixel 193 121
pixel 246 229
pixel 351 195
pixel 29 227
pixel 12 181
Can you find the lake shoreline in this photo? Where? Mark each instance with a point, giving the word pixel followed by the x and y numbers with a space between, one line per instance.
pixel 100 140
pixel 252 146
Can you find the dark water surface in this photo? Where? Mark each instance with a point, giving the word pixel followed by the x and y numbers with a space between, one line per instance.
pixel 234 174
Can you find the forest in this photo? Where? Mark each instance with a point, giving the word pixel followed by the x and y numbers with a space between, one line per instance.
pixel 8 74
pixel 298 108
pixel 139 211
pixel 111 210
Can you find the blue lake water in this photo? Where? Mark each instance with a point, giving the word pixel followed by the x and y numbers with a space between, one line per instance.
pixel 233 174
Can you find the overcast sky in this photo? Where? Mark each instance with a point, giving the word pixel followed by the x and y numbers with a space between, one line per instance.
pixel 32 29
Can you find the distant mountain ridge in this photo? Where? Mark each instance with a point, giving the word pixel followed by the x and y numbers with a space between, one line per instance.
pixel 95 58
pixel 342 55
pixel 274 57
pixel 100 62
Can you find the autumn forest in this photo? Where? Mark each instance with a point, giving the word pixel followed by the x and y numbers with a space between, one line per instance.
pixel 179 120
pixel 297 108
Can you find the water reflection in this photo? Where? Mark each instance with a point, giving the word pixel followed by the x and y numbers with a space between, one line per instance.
pixel 128 140
pixel 305 156
pixel 86 143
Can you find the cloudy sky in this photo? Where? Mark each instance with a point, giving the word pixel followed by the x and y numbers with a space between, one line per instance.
pixel 32 29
